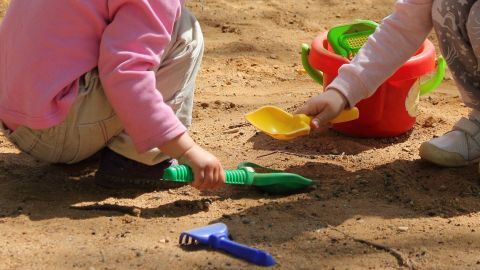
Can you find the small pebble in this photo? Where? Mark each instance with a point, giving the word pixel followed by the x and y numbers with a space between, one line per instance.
pixel 246 221
pixel 205 204
pixel 231 131
pixel 403 228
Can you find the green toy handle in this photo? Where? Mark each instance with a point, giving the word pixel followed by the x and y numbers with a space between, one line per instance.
pixel 437 78
pixel 315 74
pixel 184 174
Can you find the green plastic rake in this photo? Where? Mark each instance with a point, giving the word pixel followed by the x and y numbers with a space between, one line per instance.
pixel 273 182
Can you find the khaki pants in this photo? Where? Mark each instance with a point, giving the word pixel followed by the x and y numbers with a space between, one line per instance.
pixel 92 124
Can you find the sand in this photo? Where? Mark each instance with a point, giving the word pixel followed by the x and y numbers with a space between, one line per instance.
pixel 376 190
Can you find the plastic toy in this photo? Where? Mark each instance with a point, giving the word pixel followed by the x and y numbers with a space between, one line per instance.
pixel 273 182
pixel 346 40
pixel 282 125
pixel 216 236
pixel 392 110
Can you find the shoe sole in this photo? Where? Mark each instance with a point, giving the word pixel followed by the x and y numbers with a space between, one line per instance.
pixel 435 155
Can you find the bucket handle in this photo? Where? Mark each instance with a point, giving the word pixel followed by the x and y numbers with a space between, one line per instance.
pixel 314 74
pixel 437 78
pixel 425 88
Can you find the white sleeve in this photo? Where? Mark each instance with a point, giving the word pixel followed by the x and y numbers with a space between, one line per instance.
pixel 397 38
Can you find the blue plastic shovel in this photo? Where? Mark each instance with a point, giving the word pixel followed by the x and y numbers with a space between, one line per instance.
pixel 216 236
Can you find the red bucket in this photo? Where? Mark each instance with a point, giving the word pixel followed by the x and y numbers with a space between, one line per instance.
pixel 392 110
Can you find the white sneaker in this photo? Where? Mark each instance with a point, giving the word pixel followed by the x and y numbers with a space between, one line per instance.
pixel 456 148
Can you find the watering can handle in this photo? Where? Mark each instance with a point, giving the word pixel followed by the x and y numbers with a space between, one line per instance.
pixel 253 255
pixel 315 74
pixel 437 78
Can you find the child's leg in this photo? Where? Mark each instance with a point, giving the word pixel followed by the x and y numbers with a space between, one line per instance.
pixel 175 80
pixel 457 25
pixel 457 29
pixel 89 125
pixel 121 166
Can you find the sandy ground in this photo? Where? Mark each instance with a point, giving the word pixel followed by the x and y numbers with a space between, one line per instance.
pixel 372 189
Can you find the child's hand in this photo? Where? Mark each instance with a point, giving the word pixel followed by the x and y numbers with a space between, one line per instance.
pixel 206 168
pixel 324 107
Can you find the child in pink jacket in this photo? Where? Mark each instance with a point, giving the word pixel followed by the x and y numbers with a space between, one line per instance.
pixel 457 25
pixel 80 76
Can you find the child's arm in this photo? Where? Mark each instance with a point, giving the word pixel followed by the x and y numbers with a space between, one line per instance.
pixel 206 167
pixel 395 41
pixel 131 47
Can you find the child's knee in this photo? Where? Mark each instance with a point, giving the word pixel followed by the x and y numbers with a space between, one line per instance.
pixel 187 38
pixel 473 24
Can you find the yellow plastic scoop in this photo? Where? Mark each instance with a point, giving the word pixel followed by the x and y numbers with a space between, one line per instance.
pixel 282 125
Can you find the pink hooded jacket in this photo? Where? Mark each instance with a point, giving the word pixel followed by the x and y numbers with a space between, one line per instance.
pixel 47 45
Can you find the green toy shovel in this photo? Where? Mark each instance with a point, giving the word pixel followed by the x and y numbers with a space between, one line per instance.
pixel 273 182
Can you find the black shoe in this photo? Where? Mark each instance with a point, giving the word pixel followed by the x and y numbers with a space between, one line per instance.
pixel 118 172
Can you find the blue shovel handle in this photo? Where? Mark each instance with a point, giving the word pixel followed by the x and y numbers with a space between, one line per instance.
pixel 253 255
